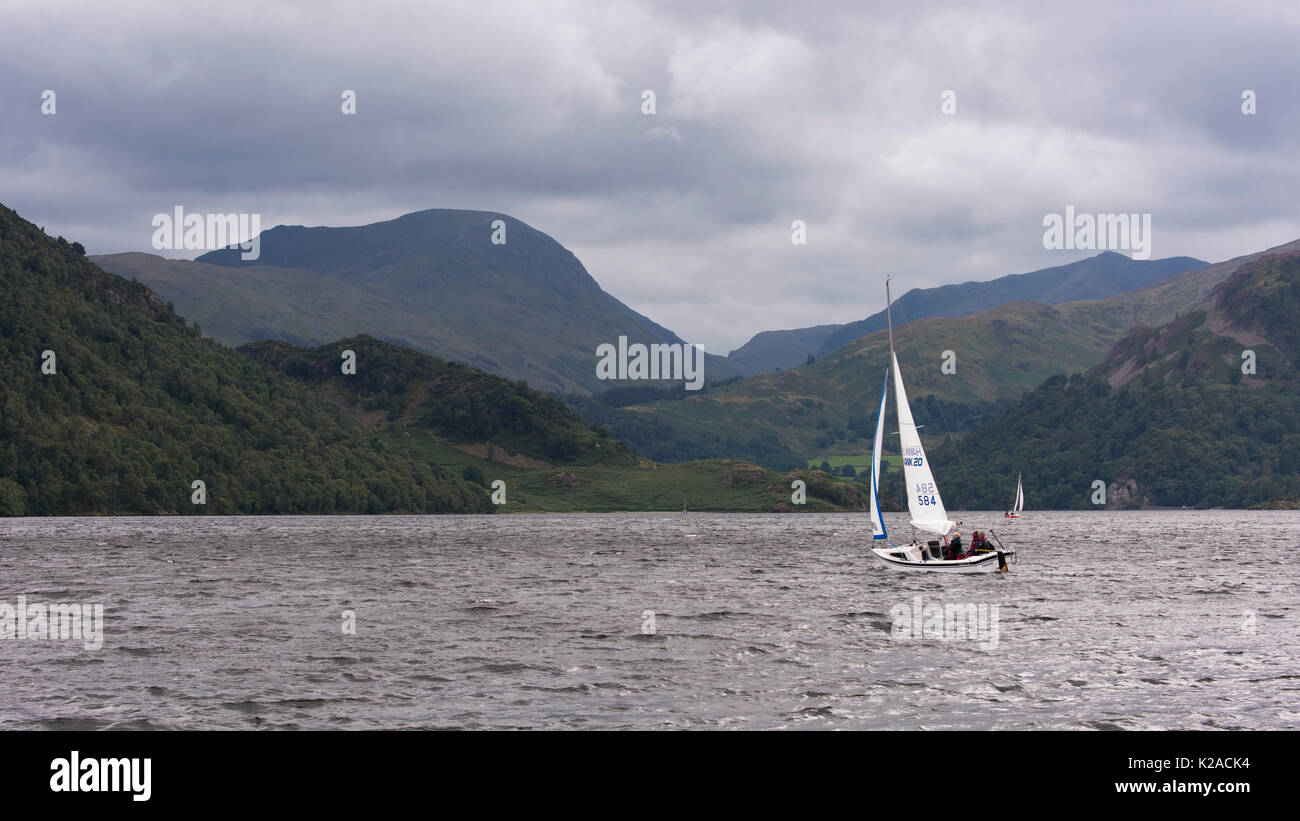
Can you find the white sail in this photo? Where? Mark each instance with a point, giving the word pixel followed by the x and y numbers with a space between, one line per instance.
pixel 1020 496
pixel 923 500
pixel 877 520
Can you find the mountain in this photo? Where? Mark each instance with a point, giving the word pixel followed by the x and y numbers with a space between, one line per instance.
pixel 825 408
pixel 131 406
pixel 138 405
pixel 1255 310
pixel 431 280
pixel 1173 415
pixel 237 305
pixel 1095 278
pixel 776 350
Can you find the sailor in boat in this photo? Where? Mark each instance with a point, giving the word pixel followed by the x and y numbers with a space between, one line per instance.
pixel 954 547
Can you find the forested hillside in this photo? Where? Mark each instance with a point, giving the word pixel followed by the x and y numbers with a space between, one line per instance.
pixel 455 402
pixel 1203 411
pixel 139 406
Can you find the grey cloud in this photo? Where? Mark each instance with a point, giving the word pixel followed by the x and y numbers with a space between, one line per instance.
pixel 828 112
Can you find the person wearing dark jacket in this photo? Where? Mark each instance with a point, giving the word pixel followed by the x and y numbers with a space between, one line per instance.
pixel 955 545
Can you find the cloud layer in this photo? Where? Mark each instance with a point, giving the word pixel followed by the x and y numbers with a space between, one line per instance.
pixel 766 113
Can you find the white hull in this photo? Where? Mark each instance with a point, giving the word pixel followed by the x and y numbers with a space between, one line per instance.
pixel 915 557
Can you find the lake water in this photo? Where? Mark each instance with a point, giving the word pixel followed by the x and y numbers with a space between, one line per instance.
pixel 1109 620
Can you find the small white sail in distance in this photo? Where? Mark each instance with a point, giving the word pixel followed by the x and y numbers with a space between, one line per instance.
pixel 1020 496
pixel 877 520
pixel 923 500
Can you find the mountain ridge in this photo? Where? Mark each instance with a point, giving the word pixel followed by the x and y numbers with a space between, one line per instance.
pixel 822 406
pixel 1173 416
pixel 432 280
pixel 1096 277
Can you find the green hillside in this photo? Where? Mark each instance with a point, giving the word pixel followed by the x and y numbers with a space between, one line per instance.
pixel 238 305
pixel 1168 419
pixel 828 406
pixel 824 408
pixel 139 406
pixel 456 402
pixel 486 428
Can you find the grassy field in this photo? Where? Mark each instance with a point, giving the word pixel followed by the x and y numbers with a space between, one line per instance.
pixel 716 485
pixel 860 461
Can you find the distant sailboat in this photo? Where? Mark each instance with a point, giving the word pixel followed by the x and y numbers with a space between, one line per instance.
pixel 923 500
pixel 1019 504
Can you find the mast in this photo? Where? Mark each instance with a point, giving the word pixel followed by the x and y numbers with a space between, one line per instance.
pixel 919 488
pixel 889 316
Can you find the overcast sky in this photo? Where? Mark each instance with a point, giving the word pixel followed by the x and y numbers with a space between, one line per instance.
pixel 767 113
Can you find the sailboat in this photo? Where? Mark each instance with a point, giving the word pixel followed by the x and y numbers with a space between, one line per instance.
pixel 1019 504
pixel 923 500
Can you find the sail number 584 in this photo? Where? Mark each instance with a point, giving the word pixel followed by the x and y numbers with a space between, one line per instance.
pixel 926 494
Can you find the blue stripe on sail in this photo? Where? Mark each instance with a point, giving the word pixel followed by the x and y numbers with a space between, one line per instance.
pixel 875 467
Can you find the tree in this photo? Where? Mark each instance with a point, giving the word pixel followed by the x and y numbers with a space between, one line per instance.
pixel 474 473
pixel 13 499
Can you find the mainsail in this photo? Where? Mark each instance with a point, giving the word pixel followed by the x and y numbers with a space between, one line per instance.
pixel 1020 496
pixel 923 499
pixel 878 521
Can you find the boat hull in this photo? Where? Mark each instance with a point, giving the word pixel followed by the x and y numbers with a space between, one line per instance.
pixel 911 558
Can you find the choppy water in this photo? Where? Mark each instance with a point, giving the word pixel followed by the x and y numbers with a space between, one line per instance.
pixel 1110 620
